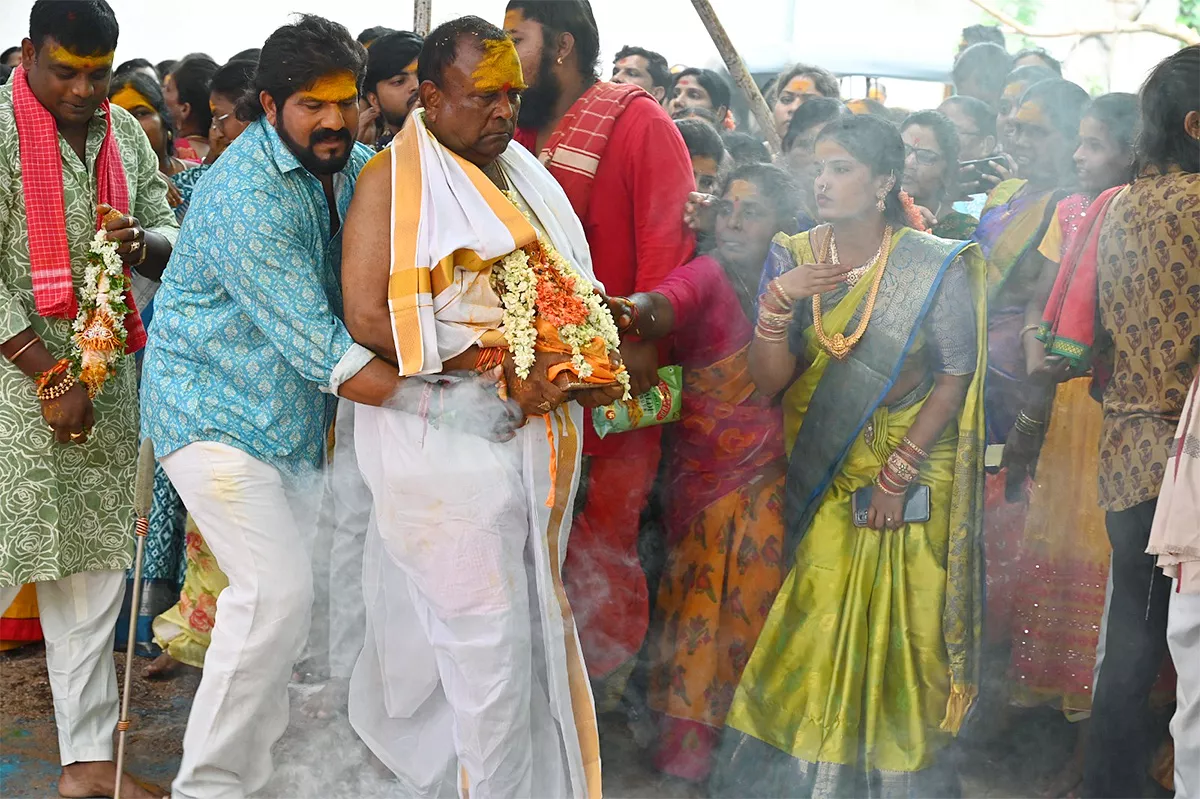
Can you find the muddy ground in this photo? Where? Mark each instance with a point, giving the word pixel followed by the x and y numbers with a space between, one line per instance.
pixel 324 760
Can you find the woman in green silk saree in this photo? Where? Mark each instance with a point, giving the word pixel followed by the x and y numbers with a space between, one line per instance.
pixel 867 664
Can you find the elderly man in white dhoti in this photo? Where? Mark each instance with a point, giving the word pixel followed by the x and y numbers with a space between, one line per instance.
pixel 466 267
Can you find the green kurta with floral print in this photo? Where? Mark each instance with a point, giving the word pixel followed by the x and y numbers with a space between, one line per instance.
pixel 66 509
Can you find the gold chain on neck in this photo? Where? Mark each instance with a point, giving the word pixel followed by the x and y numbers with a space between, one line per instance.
pixel 838 345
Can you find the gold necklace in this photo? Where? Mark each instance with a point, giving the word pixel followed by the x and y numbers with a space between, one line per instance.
pixel 838 345
pixel 853 276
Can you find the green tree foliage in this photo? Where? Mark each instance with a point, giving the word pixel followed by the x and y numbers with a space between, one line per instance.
pixel 1189 13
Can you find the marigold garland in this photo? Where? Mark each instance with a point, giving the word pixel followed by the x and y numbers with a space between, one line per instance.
pixel 100 334
pixel 536 280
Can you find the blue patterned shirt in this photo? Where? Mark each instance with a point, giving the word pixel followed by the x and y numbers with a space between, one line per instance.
pixel 248 343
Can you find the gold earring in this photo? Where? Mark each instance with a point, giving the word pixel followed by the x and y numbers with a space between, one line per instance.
pixel 881 205
pixel 560 60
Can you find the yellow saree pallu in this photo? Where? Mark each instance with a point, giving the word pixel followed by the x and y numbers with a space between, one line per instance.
pixel 867 664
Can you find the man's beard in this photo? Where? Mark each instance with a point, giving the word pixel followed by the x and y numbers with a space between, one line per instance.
pixel 539 101
pixel 395 121
pixel 308 157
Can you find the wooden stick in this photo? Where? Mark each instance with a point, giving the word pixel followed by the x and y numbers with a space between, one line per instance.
pixel 421 17
pixel 1177 32
pixel 741 75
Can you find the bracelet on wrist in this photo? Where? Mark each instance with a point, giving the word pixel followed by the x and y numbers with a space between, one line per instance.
pixel 901 468
pixel 1027 425
pixel 888 484
pixel 489 358
pixel 23 349
pixel 776 289
pixel 43 379
pixel 57 390
pixel 906 445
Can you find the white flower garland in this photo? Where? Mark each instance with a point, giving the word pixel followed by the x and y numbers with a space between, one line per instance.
pixel 100 335
pixel 518 281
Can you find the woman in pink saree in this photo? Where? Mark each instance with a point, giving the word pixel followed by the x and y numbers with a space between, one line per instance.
pixel 725 468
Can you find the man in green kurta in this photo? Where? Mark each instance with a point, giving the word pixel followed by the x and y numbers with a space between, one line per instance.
pixel 67 461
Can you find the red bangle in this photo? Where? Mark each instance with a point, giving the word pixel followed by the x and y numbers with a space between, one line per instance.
pixel 43 379
pixel 489 358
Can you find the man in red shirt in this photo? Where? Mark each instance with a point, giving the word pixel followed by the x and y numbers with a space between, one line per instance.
pixel 626 171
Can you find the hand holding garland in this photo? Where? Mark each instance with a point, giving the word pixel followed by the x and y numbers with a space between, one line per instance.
pixel 66 407
pixel 140 249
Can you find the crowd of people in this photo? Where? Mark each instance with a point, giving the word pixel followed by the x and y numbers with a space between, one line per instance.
pixel 935 453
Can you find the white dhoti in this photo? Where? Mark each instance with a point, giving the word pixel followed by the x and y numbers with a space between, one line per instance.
pixel 78 614
pixel 470 643
pixel 471 679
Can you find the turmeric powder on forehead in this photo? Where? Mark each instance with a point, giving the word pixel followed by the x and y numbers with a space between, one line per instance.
pixel 500 67
pixel 335 87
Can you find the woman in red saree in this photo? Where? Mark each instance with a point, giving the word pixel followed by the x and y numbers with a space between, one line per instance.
pixel 724 473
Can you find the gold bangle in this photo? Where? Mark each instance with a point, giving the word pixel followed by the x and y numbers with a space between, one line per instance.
pixel 59 389
pixel 907 442
pixel 902 468
pixel 1029 329
pixel 759 333
pixel 21 351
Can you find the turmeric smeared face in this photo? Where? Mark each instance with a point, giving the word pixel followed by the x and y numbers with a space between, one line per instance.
pixel 83 63
pixel 1039 149
pixel 745 225
pixel 474 110
pixel 70 85
pixel 145 113
pixel 318 122
pixel 336 88
pixel 499 70
pixel 796 93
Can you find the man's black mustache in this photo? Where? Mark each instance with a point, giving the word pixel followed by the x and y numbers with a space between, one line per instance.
pixel 329 135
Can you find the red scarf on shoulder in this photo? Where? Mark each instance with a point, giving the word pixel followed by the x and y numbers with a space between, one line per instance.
pixel 45 206
pixel 574 150
pixel 1069 324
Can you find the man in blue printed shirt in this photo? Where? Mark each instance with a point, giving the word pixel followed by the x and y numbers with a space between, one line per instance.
pixel 247 352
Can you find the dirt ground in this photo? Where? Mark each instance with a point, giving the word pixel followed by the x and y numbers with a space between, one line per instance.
pixel 1015 757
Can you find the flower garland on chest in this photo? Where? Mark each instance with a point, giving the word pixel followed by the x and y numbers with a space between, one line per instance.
pixel 534 282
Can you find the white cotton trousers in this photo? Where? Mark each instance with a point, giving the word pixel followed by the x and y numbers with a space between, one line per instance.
pixel 259 530
pixel 1183 639
pixel 78 614
pixel 351 512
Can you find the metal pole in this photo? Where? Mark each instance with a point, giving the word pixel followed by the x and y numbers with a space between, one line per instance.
pixel 421 16
pixel 143 497
pixel 741 75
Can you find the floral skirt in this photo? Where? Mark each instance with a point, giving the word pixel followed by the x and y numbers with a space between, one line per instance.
pixel 724 568
pixel 184 631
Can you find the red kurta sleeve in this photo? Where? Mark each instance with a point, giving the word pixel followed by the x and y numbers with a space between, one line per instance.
pixel 659 173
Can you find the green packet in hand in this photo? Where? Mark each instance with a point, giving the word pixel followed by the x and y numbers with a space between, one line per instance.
pixel 659 405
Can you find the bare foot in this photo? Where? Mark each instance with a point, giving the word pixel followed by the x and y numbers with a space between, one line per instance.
pixel 163 667
pixel 80 780
pixel 331 701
